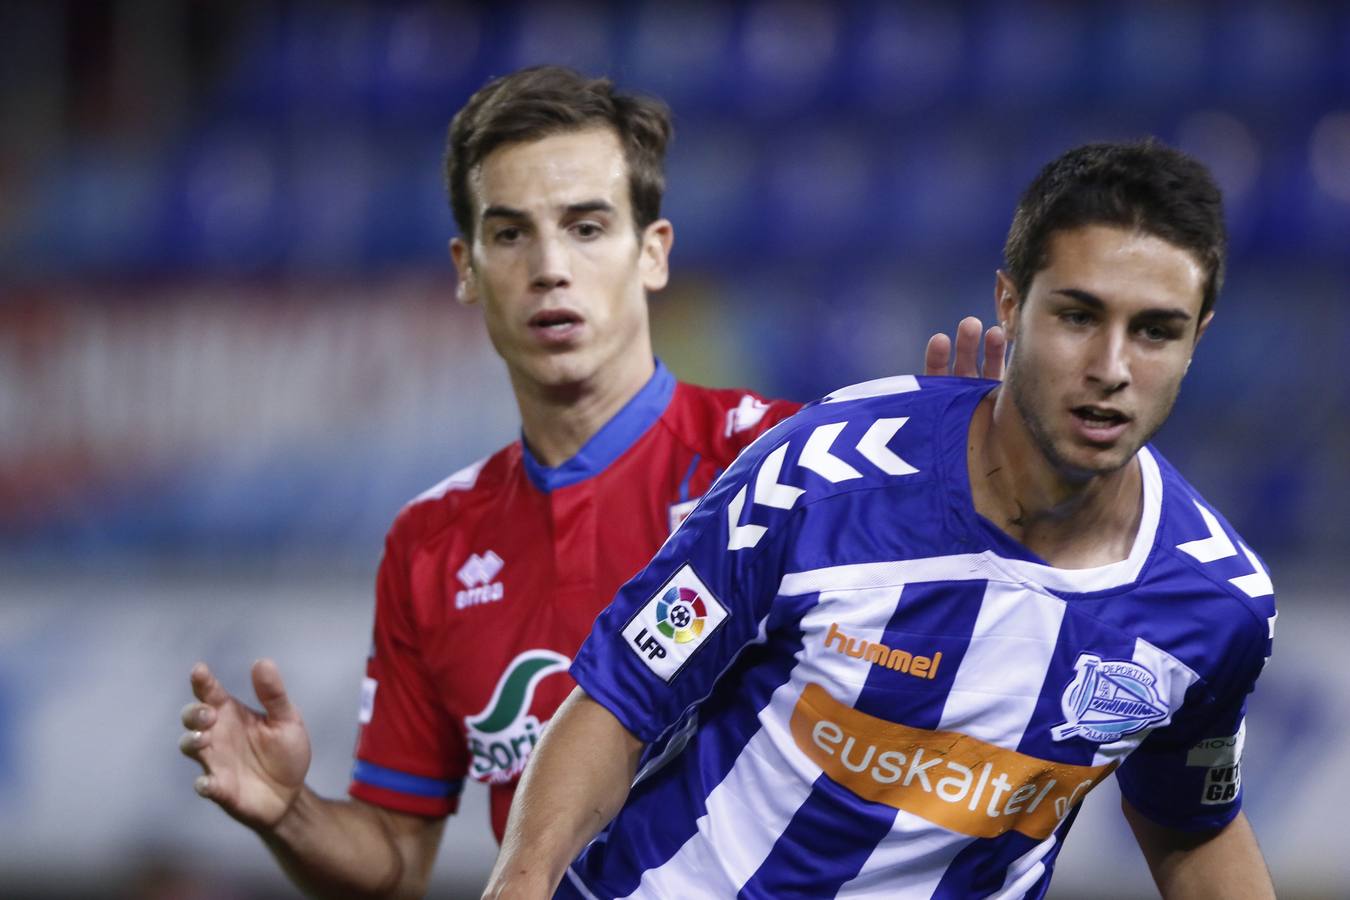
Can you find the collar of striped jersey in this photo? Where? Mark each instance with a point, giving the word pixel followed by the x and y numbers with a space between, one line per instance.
pixel 611 441
pixel 1017 561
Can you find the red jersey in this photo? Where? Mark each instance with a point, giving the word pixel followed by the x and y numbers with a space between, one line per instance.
pixel 492 579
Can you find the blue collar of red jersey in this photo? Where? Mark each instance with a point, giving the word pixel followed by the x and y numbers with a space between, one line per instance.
pixel 611 441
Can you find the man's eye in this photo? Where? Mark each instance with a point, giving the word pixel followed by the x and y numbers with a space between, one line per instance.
pixel 1075 317
pixel 1157 333
pixel 587 230
pixel 506 235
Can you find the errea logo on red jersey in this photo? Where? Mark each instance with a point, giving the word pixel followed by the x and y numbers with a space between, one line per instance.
pixel 477 575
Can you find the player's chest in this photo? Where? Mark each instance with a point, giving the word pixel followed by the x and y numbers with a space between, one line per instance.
pixel 532 572
pixel 1004 664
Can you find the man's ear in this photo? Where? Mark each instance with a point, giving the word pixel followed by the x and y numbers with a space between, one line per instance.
pixel 654 254
pixel 466 284
pixel 1204 323
pixel 1199 333
pixel 1007 303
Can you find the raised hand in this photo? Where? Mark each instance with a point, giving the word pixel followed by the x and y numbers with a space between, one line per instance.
pixel 938 354
pixel 253 763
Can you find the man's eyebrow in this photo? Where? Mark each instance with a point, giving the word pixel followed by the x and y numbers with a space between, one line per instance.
pixel 497 211
pixel 503 212
pixel 1087 298
pixel 590 206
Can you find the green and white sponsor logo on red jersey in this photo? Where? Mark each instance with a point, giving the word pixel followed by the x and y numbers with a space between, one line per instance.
pixel 503 734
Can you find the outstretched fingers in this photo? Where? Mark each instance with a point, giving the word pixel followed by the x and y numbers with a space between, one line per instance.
pixel 271 691
pixel 995 347
pixel 968 334
pixel 937 356
pixel 206 687
pixel 207 786
pixel 961 357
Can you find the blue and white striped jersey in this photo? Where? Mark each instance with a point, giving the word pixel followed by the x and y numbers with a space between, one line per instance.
pixel 853 685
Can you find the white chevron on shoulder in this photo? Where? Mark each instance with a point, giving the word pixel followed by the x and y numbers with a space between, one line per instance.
pixel 1208 549
pixel 817 457
pixel 1258 583
pixel 873 447
pixel 877 387
pixel 743 537
pixel 768 489
pixel 1218 545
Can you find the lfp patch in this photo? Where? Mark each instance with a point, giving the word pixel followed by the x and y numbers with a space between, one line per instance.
pixel 1108 699
pixel 667 630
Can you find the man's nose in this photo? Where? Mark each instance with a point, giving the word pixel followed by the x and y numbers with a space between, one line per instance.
pixel 1110 363
pixel 550 264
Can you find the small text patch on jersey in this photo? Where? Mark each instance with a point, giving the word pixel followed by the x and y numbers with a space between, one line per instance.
pixel 503 734
pixel 1222 757
pixel 368 686
pixel 1108 699
pixel 674 623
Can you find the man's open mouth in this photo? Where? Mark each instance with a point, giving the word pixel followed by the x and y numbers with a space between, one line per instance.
pixel 1100 417
pixel 554 319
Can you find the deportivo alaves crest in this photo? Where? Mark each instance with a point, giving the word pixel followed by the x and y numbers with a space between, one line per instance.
pixel 503 734
pixel 1108 699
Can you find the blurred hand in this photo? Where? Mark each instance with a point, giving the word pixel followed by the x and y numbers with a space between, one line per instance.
pixel 938 355
pixel 254 763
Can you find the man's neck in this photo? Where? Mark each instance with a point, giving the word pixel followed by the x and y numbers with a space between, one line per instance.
pixel 559 420
pixel 1071 523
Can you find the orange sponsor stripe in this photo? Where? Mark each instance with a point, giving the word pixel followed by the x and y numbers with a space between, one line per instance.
pixel 948 778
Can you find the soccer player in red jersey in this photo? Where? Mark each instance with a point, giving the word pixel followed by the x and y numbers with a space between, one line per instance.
pixel 491 580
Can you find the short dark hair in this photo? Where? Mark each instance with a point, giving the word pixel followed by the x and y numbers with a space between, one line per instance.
pixel 541 101
pixel 1144 185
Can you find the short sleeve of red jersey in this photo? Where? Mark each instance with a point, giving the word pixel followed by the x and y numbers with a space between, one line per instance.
pixel 409 757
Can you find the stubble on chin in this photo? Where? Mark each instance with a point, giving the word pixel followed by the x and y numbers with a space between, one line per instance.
pixel 1023 388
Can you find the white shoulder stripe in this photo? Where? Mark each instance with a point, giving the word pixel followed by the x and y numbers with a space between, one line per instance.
pixel 862 576
pixel 877 387
pixel 462 480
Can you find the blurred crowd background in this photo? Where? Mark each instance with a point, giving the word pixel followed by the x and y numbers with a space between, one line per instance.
pixel 230 351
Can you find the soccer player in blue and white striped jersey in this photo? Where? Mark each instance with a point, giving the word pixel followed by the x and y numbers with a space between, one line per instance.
pixel 914 625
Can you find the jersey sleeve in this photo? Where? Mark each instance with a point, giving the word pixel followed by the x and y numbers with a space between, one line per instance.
pixel 1188 775
pixel 409 756
pixel 671 631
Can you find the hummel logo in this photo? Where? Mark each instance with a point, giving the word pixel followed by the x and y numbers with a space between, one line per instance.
pixel 476 575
